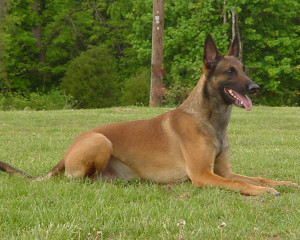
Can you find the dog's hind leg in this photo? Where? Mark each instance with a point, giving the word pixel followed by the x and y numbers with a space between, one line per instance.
pixel 87 155
pixel 55 171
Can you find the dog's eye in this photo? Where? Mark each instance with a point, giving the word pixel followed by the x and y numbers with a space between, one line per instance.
pixel 230 70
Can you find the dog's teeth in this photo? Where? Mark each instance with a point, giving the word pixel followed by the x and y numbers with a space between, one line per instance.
pixel 242 102
pixel 232 93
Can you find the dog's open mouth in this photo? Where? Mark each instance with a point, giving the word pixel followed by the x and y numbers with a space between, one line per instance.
pixel 238 99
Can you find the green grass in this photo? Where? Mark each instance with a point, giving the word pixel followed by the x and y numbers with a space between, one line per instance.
pixel 264 142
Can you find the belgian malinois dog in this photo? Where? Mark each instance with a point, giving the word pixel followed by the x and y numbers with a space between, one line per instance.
pixel 189 142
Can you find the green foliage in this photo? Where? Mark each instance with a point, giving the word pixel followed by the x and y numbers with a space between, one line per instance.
pixel 271 48
pixel 176 94
pixel 36 47
pixel 136 89
pixel 187 24
pixel 91 78
pixel 54 100
pixel 19 51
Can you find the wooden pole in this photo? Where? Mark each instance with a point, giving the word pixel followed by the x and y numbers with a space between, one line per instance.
pixel 156 89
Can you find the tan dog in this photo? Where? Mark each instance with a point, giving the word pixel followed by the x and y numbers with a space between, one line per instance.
pixel 189 142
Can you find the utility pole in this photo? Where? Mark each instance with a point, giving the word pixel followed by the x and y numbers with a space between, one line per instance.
pixel 156 89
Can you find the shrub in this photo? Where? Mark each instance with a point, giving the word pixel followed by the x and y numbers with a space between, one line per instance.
pixel 136 89
pixel 54 100
pixel 176 94
pixel 91 78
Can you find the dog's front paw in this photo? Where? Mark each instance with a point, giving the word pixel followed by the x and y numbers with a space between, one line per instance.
pixel 287 184
pixel 295 185
pixel 272 191
pixel 258 190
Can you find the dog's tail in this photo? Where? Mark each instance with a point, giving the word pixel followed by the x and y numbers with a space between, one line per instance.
pixel 57 170
pixel 11 170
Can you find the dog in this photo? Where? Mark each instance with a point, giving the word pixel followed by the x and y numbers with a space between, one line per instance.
pixel 187 143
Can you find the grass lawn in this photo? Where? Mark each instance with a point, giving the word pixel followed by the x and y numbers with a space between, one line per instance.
pixel 264 142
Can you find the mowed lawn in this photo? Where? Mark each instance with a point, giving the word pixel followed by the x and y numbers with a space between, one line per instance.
pixel 264 142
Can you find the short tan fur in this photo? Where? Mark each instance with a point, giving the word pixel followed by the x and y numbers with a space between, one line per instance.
pixel 187 143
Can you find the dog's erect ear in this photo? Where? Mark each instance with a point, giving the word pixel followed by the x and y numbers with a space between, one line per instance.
pixel 234 49
pixel 211 53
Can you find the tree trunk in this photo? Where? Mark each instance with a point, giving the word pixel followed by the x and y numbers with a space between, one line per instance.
pixel 156 90
pixel 224 13
pixel 4 83
pixel 36 30
pixel 239 35
pixel 233 22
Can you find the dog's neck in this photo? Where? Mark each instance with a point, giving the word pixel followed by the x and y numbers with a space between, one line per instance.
pixel 204 104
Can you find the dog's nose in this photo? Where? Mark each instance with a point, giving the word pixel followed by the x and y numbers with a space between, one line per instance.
pixel 253 88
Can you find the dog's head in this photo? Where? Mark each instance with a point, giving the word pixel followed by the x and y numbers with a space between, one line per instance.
pixel 226 74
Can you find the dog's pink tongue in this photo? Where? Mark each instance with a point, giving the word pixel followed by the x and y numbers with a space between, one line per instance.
pixel 245 101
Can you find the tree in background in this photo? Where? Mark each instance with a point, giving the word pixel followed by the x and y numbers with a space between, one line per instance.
pixel 136 89
pixel 41 37
pixel 91 79
pixel 39 40
pixel 270 35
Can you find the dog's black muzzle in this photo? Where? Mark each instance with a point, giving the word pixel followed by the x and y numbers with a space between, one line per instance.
pixel 253 88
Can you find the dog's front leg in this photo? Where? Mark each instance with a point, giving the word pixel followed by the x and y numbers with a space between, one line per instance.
pixel 200 160
pixel 222 168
